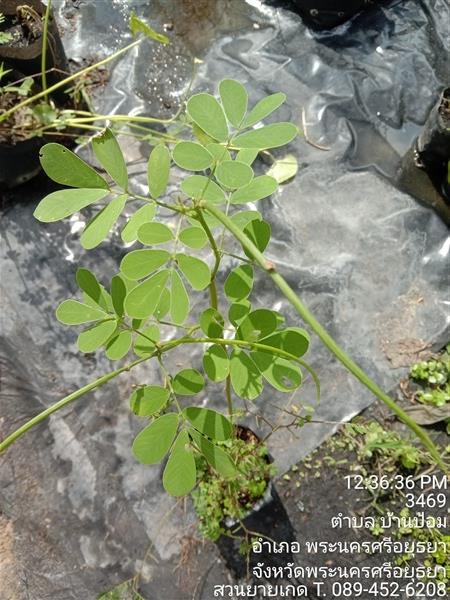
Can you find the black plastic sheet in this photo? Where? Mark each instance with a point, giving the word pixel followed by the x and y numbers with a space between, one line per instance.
pixel 80 514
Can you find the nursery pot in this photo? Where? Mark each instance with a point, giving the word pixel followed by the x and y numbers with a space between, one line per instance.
pixel 433 145
pixel 267 518
pixel 326 14
pixel 19 162
pixel 24 51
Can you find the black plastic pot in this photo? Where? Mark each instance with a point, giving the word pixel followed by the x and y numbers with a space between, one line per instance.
pixel 19 162
pixel 433 145
pixel 24 52
pixel 326 14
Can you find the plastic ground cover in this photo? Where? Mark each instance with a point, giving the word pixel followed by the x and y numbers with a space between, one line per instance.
pixel 78 513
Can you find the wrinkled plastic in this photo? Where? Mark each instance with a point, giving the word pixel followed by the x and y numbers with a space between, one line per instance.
pixel 366 258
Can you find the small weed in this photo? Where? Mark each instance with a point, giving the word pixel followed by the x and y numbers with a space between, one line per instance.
pixel 434 376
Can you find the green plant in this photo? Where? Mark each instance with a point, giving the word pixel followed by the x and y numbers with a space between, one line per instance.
pixel 218 500
pixel 4 36
pixel 387 448
pixel 245 348
pixel 44 118
pixel 434 376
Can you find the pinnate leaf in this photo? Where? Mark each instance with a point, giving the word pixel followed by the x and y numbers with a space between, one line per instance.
pixel 239 283
pixel 63 203
pixel 158 170
pixel 148 400
pixel 233 174
pixel 260 187
pixel 107 150
pixel 72 312
pixel 200 187
pixel 264 108
pixel 188 382
pixel 153 443
pixel 245 376
pixel 88 283
pixel 216 363
pixel 207 113
pixel 195 270
pixel 192 156
pixel 270 136
pixel 234 99
pixel 180 473
pixel 66 168
pixel 212 322
pixel 154 233
pixel 258 232
pixel 97 335
pixel 119 345
pixel 140 263
pixel 118 294
pixel 209 422
pixel 98 228
pixel 143 215
pixel 179 300
pixel 142 301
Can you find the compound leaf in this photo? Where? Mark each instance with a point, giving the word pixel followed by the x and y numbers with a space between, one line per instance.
pixel 97 335
pixel 148 400
pixel 193 237
pixel 140 263
pixel 153 443
pixel 154 233
pixel 119 345
pixel 143 215
pixel 216 363
pixel 188 382
pixel 270 136
pixel 158 169
pixel 245 376
pixel 207 113
pixel 98 228
pixel 107 150
pixel 72 312
pixel 239 283
pixel 180 473
pixel 88 283
pixel 264 108
pixel 192 156
pixel 66 168
pixel 195 270
pixel 200 187
pixel 260 187
pixel 212 322
pixel 142 300
pixel 179 300
pixel 118 294
pixel 233 174
pixel 63 203
pixel 209 422
pixel 144 346
pixel 258 232
pixel 284 168
pixel 234 99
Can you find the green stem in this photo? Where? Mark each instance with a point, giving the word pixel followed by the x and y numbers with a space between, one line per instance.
pixel 67 80
pixel 10 439
pixel 324 336
pixel 217 257
pixel 44 48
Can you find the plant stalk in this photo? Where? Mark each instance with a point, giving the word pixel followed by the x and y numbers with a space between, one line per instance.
pixel 68 79
pixel 44 48
pixel 321 332
pixel 10 439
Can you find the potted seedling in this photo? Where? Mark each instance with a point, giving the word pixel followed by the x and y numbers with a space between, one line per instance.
pixel 40 101
pixel 245 346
